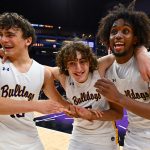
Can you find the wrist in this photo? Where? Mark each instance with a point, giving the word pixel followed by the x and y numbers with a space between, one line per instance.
pixel 91 115
pixel 121 99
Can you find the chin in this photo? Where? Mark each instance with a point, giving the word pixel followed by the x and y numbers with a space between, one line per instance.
pixel 119 54
pixel 80 80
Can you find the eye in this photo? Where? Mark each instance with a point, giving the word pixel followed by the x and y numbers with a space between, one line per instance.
pixel 10 35
pixel 71 63
pixel 125 31
pixel 113 32
pixel 83 61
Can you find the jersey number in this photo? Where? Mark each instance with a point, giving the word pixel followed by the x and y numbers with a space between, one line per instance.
pixel 18 115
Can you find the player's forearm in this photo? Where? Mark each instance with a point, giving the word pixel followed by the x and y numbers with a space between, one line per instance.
pixel 8 106
pixel 64 102
pixel 108 115
pixel 139 108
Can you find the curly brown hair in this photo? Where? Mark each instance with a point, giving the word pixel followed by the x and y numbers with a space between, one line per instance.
pixel 137 19
pixel 68 53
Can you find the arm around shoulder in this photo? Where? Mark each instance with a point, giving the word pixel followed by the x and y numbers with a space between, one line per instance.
pixel 104 63
pixel 143 61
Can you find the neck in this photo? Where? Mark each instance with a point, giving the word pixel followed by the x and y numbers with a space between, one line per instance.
pixel 123 59
pixel 20 60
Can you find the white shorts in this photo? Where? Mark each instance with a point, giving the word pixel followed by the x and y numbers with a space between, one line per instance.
pixel 135 142
pixel 78 145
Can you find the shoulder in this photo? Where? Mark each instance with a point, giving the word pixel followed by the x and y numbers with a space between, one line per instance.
pixel 53 73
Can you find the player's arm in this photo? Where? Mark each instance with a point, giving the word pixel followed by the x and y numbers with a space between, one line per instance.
pixel 9 106
pixel 53 94
pixel 143 61
pixel 139 108
pixel 110 91
pixel 50 89
pixel 104 63
pixel 114 113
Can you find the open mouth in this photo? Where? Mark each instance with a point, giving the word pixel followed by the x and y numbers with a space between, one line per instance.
pixel 119 46
pixel 79 74
pixel 7 48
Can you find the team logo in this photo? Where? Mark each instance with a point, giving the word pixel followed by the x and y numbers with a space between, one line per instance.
pixel 5 69
pixel 113 80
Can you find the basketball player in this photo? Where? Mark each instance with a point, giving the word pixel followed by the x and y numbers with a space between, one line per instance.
pixel 21 78
pixel 123 29
pixel 77 74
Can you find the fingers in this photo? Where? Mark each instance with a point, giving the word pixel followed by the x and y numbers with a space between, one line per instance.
pixel 72 111
pixel 2 55
pixel 2 52
pixel 104 81
pixel 4 59
pixel 98 113
pixel 103 85
pixel 68 113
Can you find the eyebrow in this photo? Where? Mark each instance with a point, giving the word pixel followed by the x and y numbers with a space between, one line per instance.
pixel 125 24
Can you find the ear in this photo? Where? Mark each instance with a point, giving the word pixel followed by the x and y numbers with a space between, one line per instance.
pixel 28 41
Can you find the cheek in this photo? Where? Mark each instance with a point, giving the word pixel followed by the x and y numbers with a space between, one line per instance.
pixel 87 67
pixel 111 39
pixel 70 71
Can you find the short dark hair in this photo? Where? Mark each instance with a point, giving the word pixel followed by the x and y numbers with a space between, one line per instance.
pixel 68 53
pixel 13 20
pixel 137 19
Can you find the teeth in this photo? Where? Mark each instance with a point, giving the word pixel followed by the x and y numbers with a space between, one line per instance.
pixel 119 43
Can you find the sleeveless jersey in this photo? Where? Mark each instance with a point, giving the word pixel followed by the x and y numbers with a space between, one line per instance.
pixel 18 131
pixel 85 95
pixel 131 84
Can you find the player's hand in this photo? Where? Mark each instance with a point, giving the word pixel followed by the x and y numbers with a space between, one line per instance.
pixel 108 90
pixel 84 113
pixel 89 114
pixel 2 55
pixel 71 111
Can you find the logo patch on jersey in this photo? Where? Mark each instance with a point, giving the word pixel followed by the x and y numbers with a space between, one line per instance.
pixel 5 69
pixel 113 80
pixel 86 97
pixel 71 83
pixel 135 95
pixel 18 91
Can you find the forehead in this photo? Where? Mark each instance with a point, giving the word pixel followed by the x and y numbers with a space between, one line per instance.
pixel 13 29
pixel 121 22
pixel 77 56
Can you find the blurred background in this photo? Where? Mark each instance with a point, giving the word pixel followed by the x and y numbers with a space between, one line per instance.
pixel 57 21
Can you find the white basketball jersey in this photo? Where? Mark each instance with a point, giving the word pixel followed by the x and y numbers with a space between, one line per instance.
pixel 129 82
pixel 18 131
pixel 85 95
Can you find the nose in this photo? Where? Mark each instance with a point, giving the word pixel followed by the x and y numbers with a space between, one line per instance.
pixel 78 66
pixel 119 35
